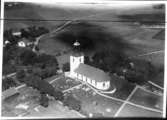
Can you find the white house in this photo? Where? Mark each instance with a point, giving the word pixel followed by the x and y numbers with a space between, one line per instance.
pixel 93 76
pixel 18 33
pixel 7 42
pixel 21 44
pixel 24 42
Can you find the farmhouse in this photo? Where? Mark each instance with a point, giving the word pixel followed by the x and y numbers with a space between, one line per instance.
pixel 16 33
pixel 93 76
pixel 24 43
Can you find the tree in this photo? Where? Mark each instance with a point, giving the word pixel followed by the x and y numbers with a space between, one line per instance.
pixel 44 101
pixel 45 87
pixel 24 33
pixel 135 77
pixel 72 103
pixel 140 72
pixel 44 61
pixel 28 57
pixel 107 60
pixel 33 32
pixel 47 64
pixel 8 68
pixel 7 83
pixel 87 60
pixel 20 74
pixel 66 67
pixel 9 53
pixel 58 95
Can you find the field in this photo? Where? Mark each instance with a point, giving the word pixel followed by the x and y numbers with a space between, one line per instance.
pixel 96 24
pixel 146 99
pixel 12 106
pixel 51 17
pixel 141 40
pixel 55 110
pixel 123 87
pixel 132 111
pixel 137 102
pixel 64 84
pixel 93 103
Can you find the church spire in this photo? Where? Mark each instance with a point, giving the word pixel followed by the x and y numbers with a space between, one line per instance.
pixel 76 48
pixel 76 43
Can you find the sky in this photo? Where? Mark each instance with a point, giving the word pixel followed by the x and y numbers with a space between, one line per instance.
pixel 85 1
pixel 74 3
pixel 82 0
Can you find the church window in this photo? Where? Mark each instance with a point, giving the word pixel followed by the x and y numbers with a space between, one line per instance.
pixel 103 84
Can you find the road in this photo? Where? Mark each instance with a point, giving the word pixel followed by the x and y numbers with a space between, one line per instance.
pixel 149 53
pixel 101 94
pixel 9 75
pixel 36 107
pixel 155 85
pixel 52 33
pixel 124 101
pixel 123 105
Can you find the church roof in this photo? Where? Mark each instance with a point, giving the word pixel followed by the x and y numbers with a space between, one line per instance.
pixel 92 73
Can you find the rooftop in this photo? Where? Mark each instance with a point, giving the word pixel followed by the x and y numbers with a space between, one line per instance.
pixel 92 72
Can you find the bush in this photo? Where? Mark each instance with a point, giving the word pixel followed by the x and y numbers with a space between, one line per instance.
pixel 140 72
pixel 33 32
pixel 7 83
pixel 43 86
pixel 27 57
pixel 44 101
pixel 20 74
pixel 7 69
pixel 66 67
pixel 58 95
pixel 72 103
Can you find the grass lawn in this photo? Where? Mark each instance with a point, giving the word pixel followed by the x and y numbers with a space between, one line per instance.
pixel 55 110
pixel 41 12
pixel 52 78
pixel 55 47
pixel 95 104
pixel 147 99
pixel 156 59
pixel 132 111
pixel 51 46
pixel 27 96
pixel 159 79
pixel 64 83
pixel 124 88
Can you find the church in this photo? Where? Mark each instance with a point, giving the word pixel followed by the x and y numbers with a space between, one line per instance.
pixel 93 76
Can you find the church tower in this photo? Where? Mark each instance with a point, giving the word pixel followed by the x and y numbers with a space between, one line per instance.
pixel 76 58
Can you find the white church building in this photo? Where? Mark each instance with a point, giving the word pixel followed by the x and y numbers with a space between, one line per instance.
pixel 93 76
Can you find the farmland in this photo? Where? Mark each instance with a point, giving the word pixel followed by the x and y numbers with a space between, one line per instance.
pixel 105 30
pixel 132 111
pixel 139 39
